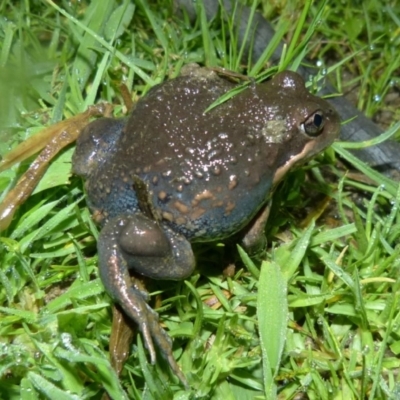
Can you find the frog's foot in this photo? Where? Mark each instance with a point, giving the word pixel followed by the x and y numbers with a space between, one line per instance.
pixel 139 243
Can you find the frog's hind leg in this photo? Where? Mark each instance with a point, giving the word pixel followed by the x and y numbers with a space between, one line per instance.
pixel 137 242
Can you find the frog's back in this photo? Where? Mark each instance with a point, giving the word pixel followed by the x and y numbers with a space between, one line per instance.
pixel 203 170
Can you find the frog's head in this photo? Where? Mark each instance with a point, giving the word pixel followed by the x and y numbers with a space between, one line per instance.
pixel 300 126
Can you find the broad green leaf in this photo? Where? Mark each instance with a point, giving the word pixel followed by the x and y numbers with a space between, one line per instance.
pixel 272 313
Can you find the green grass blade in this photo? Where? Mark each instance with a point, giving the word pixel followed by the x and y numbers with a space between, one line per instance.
pixel 292 258
pixel 272 312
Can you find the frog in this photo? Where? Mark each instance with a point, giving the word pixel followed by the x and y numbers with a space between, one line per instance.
pixel 177 172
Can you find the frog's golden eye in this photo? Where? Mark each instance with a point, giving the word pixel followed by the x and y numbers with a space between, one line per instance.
pixel 314 124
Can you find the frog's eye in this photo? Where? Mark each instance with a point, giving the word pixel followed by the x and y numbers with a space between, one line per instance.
pixel 314 124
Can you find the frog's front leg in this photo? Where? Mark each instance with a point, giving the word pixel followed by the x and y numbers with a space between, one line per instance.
pixel 253 236
pixel 134 241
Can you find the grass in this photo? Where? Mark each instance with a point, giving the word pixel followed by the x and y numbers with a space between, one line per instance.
pixel 342 336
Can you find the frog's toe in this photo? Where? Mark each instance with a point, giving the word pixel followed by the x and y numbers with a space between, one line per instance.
pixel 148 341
pixel 175 368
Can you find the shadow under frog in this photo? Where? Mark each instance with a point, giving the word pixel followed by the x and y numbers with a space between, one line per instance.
pixel 173 174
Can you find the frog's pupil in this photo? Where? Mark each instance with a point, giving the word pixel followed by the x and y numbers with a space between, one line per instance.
pixel 318 120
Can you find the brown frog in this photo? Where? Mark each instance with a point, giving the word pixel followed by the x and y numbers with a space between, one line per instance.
pixel 173 174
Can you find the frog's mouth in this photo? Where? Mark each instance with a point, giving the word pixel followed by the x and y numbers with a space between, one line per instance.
pixel 306 154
